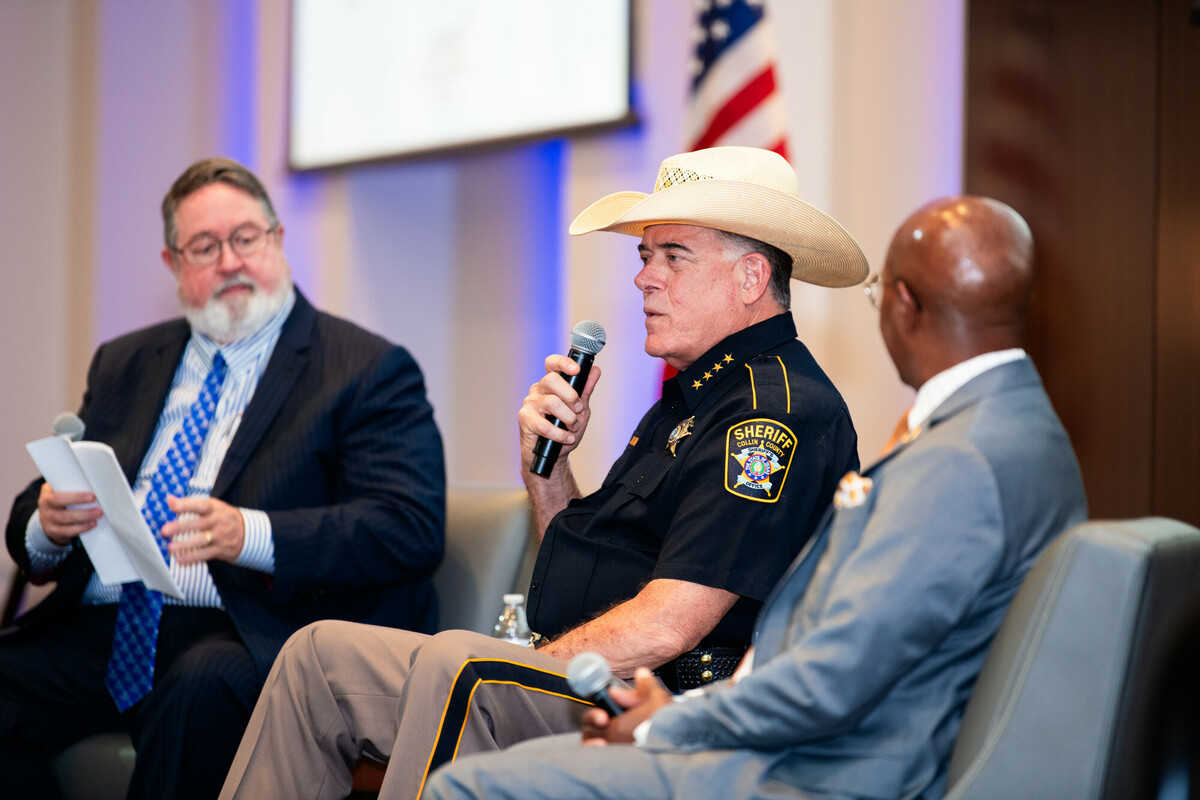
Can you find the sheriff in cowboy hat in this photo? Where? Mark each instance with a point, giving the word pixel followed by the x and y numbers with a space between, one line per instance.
pixel 726 476
pixel 666 564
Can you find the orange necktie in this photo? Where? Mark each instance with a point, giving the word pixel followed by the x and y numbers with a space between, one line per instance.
pixel 898 433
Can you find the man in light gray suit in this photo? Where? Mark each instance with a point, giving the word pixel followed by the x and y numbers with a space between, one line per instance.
pixel 866 652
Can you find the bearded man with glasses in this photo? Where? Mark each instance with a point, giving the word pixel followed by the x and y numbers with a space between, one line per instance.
pixel 289 465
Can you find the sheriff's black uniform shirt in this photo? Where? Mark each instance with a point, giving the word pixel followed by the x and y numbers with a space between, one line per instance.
pixel 721 484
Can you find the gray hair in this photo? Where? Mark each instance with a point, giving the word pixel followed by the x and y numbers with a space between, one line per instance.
pixel 201 174
pixel 781 263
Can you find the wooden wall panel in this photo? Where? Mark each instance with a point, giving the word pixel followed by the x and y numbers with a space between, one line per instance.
pixel 1061 122
pixel 1177 407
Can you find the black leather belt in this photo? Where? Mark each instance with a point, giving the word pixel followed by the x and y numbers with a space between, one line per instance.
pixel 700 667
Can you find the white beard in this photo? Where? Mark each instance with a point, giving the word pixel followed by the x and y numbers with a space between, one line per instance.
pixel 226 321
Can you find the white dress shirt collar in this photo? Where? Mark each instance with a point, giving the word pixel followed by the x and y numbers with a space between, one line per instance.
pixel 938 389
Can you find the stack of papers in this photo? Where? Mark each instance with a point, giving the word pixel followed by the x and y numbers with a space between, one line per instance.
pixel 121 546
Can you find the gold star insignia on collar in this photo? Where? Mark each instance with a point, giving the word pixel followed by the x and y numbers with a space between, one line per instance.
pixel 708 376
pixel 681 430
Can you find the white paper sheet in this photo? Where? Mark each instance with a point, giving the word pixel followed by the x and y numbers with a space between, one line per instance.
pixel 121 547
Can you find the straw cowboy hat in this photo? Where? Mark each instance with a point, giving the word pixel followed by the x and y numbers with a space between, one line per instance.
pixel 742 190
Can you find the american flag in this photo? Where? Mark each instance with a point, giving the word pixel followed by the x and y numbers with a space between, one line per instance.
pixel 735 98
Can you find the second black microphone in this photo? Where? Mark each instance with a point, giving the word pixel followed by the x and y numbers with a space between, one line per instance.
pixel 587 339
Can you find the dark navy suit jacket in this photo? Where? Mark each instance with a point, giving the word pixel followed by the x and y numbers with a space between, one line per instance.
pixel 338 446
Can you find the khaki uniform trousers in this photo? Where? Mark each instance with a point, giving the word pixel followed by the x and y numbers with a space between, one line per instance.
pixel 341 689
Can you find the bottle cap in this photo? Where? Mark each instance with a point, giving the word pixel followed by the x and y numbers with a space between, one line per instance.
pixel 513 599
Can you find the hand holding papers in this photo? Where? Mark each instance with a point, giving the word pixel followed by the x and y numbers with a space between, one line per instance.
pixel 121 547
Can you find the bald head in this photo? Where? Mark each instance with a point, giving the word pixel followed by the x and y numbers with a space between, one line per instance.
pixel 957 280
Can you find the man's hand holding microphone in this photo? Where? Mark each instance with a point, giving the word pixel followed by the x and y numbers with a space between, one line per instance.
pixel 556 411
pixel 552 421
pixel 619 708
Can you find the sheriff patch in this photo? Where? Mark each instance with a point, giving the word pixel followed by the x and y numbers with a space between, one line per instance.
pixel 760 452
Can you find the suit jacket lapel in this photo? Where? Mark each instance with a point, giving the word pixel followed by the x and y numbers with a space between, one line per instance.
pixel 785 597
pixel 146 403
pixel 287 362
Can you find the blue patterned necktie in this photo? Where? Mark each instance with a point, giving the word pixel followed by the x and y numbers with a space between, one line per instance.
pixel 135 639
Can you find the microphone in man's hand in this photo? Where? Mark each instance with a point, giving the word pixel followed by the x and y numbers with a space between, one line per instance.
pixel 589 677
pixel 587 339
pixel 69 425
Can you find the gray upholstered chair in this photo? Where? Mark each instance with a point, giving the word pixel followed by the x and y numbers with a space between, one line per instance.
pixel 1089 690
pixel 95 768
pixel 490 550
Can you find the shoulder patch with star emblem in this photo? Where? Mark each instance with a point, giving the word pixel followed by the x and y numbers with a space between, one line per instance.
pixel 759 454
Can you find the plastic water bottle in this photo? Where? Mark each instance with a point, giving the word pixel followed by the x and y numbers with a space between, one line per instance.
pixel 512 625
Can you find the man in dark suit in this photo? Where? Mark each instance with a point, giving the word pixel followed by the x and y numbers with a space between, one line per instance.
pixel 314 489
pixel 866 652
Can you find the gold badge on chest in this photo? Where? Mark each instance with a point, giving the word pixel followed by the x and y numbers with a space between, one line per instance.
pixel 681 430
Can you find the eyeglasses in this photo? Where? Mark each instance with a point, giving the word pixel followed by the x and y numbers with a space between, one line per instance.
pixel 205 249
pixel 873 288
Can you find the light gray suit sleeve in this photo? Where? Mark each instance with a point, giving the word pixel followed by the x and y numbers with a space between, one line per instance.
pixel 909 564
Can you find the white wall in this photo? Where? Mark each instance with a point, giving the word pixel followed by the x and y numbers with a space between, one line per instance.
pixel 35 229
pixel 464 259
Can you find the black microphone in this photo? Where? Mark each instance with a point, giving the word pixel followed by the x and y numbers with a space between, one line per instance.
pixel 69 425
pixel 587 339
pixel 589 677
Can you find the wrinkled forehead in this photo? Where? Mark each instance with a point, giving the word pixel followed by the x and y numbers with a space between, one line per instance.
pixel 678 233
